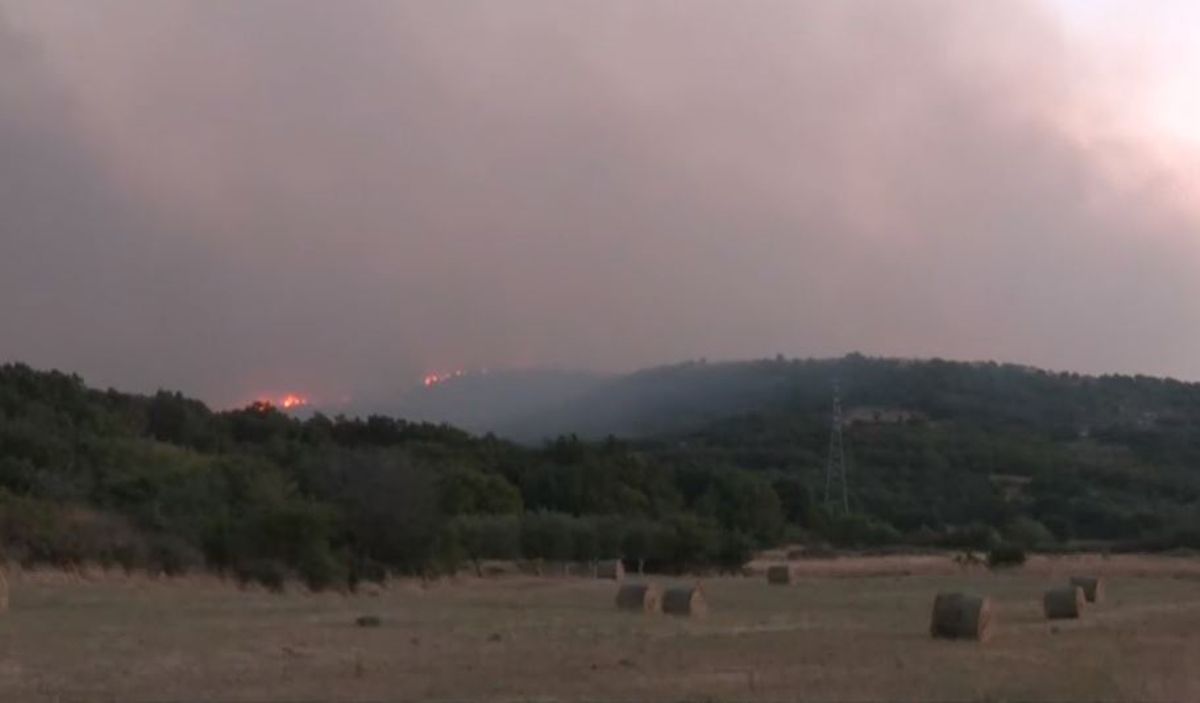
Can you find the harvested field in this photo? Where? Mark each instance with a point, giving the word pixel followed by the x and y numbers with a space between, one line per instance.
pixel 830 636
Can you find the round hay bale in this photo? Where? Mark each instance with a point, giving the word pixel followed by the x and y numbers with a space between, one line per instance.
pixel 639 597
pixel 1063 603
pixel 780 574
pixel 612 570
pixel 1093 587
pixel 686 600
pixel 958 616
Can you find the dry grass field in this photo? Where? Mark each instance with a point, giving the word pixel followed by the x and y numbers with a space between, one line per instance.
pixel 848 629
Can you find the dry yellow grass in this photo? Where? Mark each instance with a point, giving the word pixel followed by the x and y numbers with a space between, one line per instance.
pixel 859 636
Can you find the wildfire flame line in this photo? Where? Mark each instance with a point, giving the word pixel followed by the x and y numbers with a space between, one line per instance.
pixel 293 401
pixel 435 378
pixel 287 402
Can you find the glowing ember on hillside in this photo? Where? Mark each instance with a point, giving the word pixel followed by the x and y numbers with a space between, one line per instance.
pixel 287 402
pixel 293 401
pixel 435 378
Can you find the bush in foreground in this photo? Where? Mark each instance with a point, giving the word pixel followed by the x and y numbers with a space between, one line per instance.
pixel 1006 556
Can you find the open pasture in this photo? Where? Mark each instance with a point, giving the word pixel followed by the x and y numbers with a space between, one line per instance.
pixel 853 628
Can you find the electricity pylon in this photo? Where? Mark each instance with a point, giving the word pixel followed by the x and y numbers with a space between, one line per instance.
pixel 836 493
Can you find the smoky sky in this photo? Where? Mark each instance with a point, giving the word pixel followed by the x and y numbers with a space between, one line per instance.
pixel 237 198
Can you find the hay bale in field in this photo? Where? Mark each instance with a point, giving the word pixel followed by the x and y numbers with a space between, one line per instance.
pixel 1093 587
pixel 686 600
pixel 640 597
pixel 780 574
pixel 612 570
pixel 1063 603
pixel 958 616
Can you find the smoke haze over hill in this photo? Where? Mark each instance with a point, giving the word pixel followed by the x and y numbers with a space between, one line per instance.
pixel 246 198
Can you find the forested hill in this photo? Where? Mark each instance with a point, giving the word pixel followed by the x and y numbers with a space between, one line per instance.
pixel 534 405
pixel 725 457
pixel 933 443
pixel 685 396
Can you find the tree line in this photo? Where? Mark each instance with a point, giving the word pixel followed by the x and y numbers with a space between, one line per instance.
pixel 984 454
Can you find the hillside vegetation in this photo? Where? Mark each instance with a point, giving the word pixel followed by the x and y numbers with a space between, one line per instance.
pixel 724 458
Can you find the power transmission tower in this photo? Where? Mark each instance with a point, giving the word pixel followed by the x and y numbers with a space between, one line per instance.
pixel 835 467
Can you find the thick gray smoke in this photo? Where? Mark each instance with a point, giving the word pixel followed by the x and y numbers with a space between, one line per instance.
pixel 237 198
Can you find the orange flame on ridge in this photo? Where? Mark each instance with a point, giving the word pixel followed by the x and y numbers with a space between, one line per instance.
pixel 435 378
pixel 293 401
pixel 287 402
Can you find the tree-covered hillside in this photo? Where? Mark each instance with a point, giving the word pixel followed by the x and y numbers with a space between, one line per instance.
pixel 669 399
pixel 936 444
pixel 725 457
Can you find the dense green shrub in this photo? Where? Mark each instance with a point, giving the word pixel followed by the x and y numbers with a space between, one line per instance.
pixel 547 536
pixel 734 551
pixel 1005 556
pixel 268 573
pixel 172 555
pixel 489 536
pixel 1028 533
pixel 321 569
pixel 365 570
pixel 972 536
pixel 861 531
